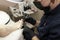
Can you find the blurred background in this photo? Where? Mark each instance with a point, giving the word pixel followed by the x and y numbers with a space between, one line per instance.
pixel 5 4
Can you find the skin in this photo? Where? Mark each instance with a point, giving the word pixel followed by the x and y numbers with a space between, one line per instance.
pixel 46 3
pixel 7 29
pixel 35 38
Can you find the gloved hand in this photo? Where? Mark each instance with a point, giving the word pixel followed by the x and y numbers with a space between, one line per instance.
pixel 30 20
pixel 28 33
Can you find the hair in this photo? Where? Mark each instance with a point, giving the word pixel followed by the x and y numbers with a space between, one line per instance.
pixel 52 1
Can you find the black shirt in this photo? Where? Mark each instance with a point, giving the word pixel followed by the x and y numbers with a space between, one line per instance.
pixel 49 28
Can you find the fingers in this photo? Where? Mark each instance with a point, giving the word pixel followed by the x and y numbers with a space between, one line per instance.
pixel 21 23
pixel 21 19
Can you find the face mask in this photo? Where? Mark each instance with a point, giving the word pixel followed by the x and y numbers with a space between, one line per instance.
pixel 39 6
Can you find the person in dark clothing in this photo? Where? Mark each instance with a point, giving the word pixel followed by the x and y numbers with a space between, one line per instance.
pixel 49 28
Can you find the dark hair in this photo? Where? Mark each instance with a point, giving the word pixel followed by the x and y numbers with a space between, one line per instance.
pixel 52 1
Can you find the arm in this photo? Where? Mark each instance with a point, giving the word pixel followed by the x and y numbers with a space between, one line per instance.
pixel 7 29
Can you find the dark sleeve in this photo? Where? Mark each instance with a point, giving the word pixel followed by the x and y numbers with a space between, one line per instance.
pixel 50 32
pixel 42 33
pixel 30 20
